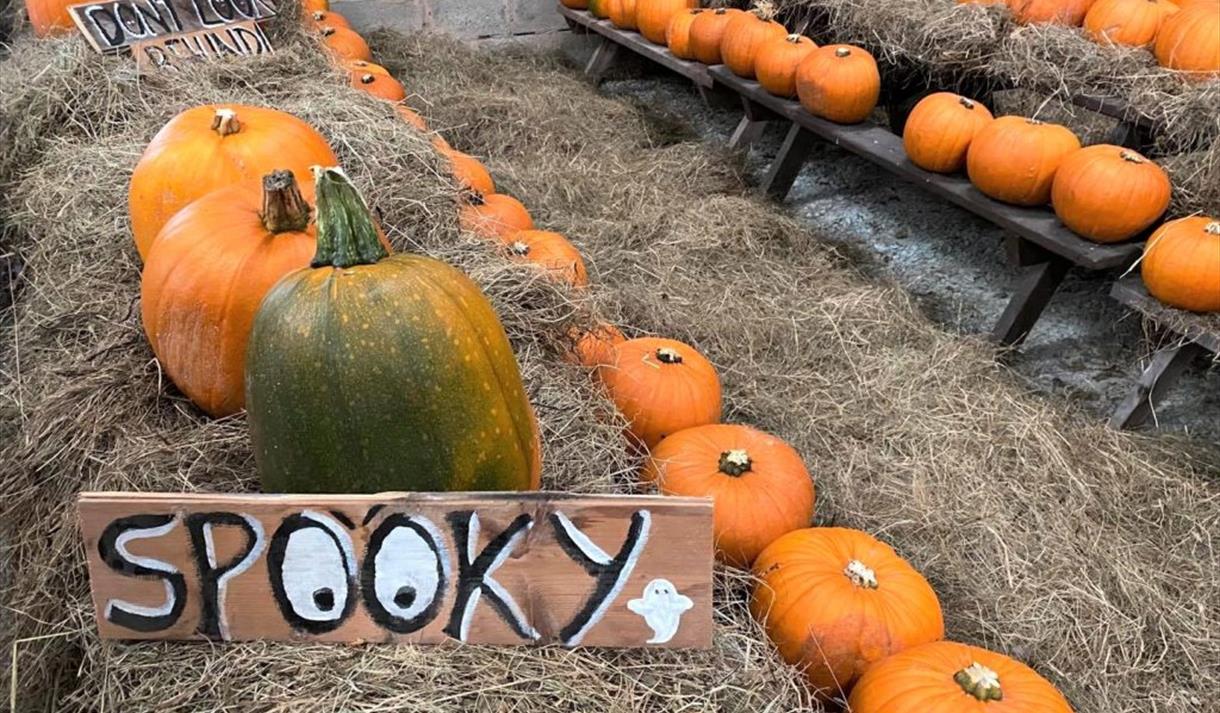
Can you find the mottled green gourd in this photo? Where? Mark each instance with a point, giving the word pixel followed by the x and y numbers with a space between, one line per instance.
pixel 371 372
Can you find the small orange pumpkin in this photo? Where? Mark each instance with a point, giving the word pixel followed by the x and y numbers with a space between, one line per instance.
pixel 362 66
pixel 575 4
pixel 469 171
pixel 621 13
pixel 1189 40
pixel 759 487
pixel 1181 264
pixel 1109 193
pixel 653 17
pixel 493 215
pixel 777 60
pixel 948 677
pixel 326 18
pixel 661 386
pixel 939 130
pixel 316 5
pixel 835 601
pixel 594 348
pixel 1014 159
pixel 599 8
pixel 840 83
pixel 382 86
pixel 345 43
pixel 677 35
pixel 707 32
pixel 408 115
pixel 1056 12
pixel 1127 22
pixel 50 17
pixel 743 36
pixel 552 252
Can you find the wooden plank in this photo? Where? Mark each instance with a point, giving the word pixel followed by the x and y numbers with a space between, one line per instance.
pixel 491 568
pixel 170 52
pixel 114 24
pixel 694 71
pixel 1166 366
pixel 1131 292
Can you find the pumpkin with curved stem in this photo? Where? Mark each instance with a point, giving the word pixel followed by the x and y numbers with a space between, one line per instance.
pixel 1189 40
pixel 552 252
pixel 469 171
pixel 1057 12
pixel 743 37
pixel 326 18
pixel 206 275
pixel 677 34
pixel 621 13
pixel 382 86
pixel 50 17
pixel 948 677
pixel 777 60
pixel 939 130
pixel 594 348
pixel 1109 193
pixel 1127 22
pixel 835 600
pixel 210 147
pixel 369 372
pixel 661 386
pixel 494 215
pixel 840 83
pixel 653 17
pixel 759 487
pixel 1014 159
pixel 1181 264
pixel 707 32
pixel 345 43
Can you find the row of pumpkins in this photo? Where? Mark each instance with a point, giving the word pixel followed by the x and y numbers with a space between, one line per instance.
pixel 1104 193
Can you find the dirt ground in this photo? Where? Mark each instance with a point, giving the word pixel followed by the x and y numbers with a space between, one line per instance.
pixel 1086 348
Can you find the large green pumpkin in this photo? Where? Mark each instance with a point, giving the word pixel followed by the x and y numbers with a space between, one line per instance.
pixel 370 372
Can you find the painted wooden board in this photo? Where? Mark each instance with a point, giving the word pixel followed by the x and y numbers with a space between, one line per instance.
pixel 112 25
pixel 694 71
pixel 169 52
pixel 489 568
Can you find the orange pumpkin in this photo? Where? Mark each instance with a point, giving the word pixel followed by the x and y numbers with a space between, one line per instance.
pixel 1057 12
pixel 947 677
pixel 50 17
pixel 777 60
pixel 661 386
pixel 1189 40
pixel 1127 22
pixel 412 118
pixel 206 275
pixel 1181 264
pixel 325 18
pixel 621 13
pixel 1109 193
pixel 840 83
pixel 1014 159
pixel 594 348
pixel 468 171
pixel 210 147
pixel 315 5
pixel 835 601
pixel 599 8
pixel 707 31
pixel 758 484
pixel 939 130
pixel 653 16
pixel 345 43
pixel 494 215
pixel 361 66
pixel 742 38
pixel 677 35
pixel 382 86
pixel 575 4
pixel 552 252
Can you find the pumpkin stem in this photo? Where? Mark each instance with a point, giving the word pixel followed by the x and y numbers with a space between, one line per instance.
pixel 735 462
pixel 346 233
pixel 367 79
pixel 1034 122
pixel 1131 157
pixel 519 248
pixel 318 16
pixel 473 198
pixel 969 104
pixel 860 574
pixel 284 209
pixel 665 355
pixel 1212 228
pixel 328 31
pixel 225 122
pixel 842 52
pixel 979 681
pixel 793 38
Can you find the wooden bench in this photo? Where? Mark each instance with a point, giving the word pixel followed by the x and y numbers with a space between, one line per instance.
pixel 1191 338
pixel 613 40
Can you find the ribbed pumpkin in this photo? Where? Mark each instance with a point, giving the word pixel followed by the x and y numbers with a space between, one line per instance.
pixel 743 37
pixel 382 86
pixel 1109 193
pixel 759 487
pixel 370 372
pixel 1057 12
pixel 707 31
pixel 595 348
pixel 50 17
pixel 205 276
pixel 324 18
pixel 411 117
pixel 210 147
pixel 599 8
pixel 621 13
pixel 1127 22
pixel 653 17
pixel 776 62
pixel 575 4
pixel 947 677
pixel 1014 159
pixel 345 43
pixel 939 130
pixel 661 386
pixel 677 35
pixel 1189 40
pixel 1181 264
pixel 835 601
pixel 494 215
pixel 840 83
pixel 469 171
pixel 550 251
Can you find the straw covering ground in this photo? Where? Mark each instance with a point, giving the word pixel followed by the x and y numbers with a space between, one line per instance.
pixel 1089 554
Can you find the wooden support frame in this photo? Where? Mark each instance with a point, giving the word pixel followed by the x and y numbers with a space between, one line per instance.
pixel 754 120
pixel 788 162
pixel 602 60
pixel 635 42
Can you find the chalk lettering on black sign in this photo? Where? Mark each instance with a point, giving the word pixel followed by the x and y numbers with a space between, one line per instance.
pixel 112 547
pixel 311 564
pixel 214 576
pixel 610 573
pixel 405 573
pixel 475 574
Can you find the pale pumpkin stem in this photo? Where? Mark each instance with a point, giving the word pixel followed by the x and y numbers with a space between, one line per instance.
pixel 1212 228
pixel 347 235
pixel 665 355
pixel 367 79
pixel 225 122
pixel 842 52
pixel 1131 157
pixel 519 248
pixel 473 197
pixel 318 16
pixel 969 104
pixel 793 38
pixel 981 682
pixel 861 575
pixel 1034 122
pixel 328 31
pixel 283 207
pixel 735 462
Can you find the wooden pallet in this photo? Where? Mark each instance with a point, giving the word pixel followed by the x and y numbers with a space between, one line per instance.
pixel 1169 362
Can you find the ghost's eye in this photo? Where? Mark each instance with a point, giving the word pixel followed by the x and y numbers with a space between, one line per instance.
pixel 408 567
pixel 312 572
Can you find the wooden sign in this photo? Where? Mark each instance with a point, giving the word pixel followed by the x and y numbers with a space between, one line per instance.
pixel 170 51
pixel 489 568
pixel 114 24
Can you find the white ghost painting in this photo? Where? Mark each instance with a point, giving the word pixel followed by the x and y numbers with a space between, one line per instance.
pixel 662 608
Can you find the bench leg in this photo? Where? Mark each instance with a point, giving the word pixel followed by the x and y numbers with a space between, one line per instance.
pixel 1165 368
pixel 602 60
pixel 747 132
pixel 788 162
pixel 575 27
pixel 1035 289
pixel 1129 136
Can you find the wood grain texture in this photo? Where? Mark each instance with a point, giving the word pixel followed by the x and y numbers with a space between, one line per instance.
pixel 111 25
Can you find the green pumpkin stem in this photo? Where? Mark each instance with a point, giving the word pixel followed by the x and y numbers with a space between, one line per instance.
pixel 284 209
pixel 346 233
